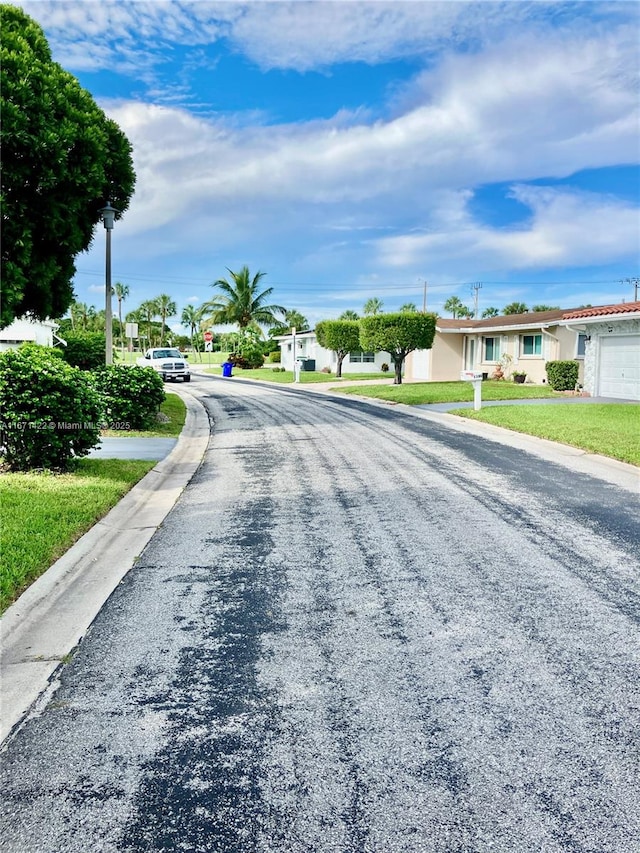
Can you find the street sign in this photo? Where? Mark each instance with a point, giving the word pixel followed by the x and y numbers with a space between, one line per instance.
pixel 208 336
pixel 208 346
pixel 131 330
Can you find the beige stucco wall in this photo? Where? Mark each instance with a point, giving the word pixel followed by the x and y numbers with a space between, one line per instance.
pixel 446 358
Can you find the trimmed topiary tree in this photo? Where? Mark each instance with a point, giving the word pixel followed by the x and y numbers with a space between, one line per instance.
pixel 398 334
pixel 562 375
pixel 340 336
pixel 131 396
pixel 50 412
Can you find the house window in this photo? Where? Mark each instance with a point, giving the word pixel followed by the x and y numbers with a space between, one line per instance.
pixel 362 357
pixel 582 340
pixel 532 345
pixel 491 349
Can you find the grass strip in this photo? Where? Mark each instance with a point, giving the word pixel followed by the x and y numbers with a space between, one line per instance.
pixel 610 429
pixel 268 374
pixel 44 513
pixel 421 393
pixel 173 408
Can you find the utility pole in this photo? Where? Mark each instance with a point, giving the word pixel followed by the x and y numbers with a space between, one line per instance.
pixel 474 292
pixel 635 282
pixel 424 296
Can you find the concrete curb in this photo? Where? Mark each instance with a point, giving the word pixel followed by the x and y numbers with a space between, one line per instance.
pixel 50 618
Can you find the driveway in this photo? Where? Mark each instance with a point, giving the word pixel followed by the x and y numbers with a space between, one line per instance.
pixel 358 630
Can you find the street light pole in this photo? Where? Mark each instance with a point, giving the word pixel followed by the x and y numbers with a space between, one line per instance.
pixel 108 215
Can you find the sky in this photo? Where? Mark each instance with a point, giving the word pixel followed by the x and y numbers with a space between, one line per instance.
pixel 366 149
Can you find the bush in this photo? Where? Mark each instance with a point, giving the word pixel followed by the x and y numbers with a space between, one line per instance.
pixel 131 396
pixel 50 412
pixel 562 375
pixel 274 356
pixel 85 350
pixel 384 367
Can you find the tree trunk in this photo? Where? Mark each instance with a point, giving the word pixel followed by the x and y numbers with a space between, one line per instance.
pixel 339 366
pixel 397 380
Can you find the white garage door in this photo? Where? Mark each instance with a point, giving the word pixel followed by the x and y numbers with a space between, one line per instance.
pixel 620 367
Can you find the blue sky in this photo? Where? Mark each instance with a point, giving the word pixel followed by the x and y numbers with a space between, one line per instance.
pixel 355 149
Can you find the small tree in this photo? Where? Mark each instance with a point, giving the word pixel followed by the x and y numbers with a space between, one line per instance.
pixel 398 334
pixel 340 336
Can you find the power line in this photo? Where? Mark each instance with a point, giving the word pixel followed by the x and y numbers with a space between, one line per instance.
pixel 369 285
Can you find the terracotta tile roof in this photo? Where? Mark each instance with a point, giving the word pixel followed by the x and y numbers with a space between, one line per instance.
pixel 603 311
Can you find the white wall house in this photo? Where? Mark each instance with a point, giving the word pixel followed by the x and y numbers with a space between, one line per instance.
pixel 23 330
pixel 612 349
pixel 307 347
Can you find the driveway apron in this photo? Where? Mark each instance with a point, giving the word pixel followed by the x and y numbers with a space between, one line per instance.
pixel 356 631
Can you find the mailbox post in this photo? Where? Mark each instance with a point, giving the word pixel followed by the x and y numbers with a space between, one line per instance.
pixel 476 380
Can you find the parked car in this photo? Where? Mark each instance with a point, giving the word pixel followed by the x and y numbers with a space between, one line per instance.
pixel 168 361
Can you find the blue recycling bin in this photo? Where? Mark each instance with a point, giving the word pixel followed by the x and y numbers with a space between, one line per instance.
pixel 226 368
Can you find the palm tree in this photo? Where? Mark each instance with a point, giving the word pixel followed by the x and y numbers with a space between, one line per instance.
pixel 192 318
pixel 456 307
pixel 515 308
pixel 241 302
pixel 149 312
pixel 121 291
pixel 489 312
pixel 83 316
pixel 373 306
pixel 409 307
pixel 166 307
pixel 349 315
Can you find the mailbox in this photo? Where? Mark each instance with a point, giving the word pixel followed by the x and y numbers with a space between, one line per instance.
pixel 470 375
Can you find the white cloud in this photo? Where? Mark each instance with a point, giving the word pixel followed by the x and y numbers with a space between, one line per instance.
pixel 566 229
pixel 515 113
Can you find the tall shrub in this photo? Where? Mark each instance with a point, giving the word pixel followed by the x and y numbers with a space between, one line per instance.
pixel 562 375
pixel 50 412
pixel 131 396
pixel 85 350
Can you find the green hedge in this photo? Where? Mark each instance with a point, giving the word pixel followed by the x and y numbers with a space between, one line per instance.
pixel 562 375
pixel 85 350
pixel 131 396
pixel 51 414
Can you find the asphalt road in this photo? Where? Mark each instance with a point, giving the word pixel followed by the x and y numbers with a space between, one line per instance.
pixel 357 631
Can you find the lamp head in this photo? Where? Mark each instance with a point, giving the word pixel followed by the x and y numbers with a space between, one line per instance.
pixel 108 215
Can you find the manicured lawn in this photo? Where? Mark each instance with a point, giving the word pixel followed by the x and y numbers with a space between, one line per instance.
pixel 269 375
pixel 173 408
pixel 43 514
pixel 611 429
pixel 418 393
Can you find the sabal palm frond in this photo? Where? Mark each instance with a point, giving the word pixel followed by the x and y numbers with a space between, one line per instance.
pixel 240 301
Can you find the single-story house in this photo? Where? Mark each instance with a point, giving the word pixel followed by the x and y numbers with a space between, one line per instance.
pixel 308 348
pixel 24 330
pixel 612 351
pixel 528 340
